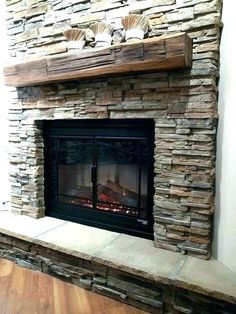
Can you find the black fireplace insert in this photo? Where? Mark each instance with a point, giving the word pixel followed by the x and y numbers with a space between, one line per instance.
pixel 100 173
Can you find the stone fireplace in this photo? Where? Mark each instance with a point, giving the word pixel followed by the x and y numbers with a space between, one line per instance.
pixel 180 102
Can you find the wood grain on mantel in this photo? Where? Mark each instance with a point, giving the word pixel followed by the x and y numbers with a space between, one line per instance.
pixel 163 53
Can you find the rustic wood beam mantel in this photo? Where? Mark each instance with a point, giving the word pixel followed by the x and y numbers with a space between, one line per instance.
pixel 163 53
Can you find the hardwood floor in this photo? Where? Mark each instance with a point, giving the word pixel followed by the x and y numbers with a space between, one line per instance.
pixel 24 291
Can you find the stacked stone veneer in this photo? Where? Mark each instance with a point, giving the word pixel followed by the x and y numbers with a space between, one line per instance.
pixel 182 103
pixel 156 295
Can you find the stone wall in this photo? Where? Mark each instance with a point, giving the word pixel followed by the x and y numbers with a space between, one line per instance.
pixel 156 297
pixel 35 26
pixel 183 104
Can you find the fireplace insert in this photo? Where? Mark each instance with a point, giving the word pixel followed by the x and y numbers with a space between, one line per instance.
pixel 100 173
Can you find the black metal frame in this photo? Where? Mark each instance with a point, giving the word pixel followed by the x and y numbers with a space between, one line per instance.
pixel 136 129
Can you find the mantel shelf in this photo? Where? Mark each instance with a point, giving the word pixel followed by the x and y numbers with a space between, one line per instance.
pixel 163 53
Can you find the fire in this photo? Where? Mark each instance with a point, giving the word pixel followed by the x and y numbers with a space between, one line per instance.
pixel 104 198
pixel 105 203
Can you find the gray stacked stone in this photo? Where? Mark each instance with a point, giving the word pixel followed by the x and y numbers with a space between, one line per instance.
pixel 183 104
pixel 157 295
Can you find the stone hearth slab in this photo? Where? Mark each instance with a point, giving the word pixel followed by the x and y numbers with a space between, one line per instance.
pixel 5 214
pixel 86 242
pixel 26 226
pixel 122 252
pixel 139 256
pixel 209 277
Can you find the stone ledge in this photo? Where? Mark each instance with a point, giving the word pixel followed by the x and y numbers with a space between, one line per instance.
pixel 125 253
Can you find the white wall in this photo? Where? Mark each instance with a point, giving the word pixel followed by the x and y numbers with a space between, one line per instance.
pixel 224 246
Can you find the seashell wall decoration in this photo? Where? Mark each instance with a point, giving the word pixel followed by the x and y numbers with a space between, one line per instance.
pixel 75 37
pixel 136 26
pixel 102 32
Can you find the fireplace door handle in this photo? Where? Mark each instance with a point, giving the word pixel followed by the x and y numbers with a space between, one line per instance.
pixel 93 174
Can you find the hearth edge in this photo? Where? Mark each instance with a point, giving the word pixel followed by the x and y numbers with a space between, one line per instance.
pixel 183 272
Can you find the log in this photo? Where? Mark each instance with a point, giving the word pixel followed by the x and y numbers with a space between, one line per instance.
pixel 162 53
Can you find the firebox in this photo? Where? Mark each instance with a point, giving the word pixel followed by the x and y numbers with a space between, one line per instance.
pixel 100 173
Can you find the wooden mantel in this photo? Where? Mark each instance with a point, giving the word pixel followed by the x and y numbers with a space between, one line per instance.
pixel 163 53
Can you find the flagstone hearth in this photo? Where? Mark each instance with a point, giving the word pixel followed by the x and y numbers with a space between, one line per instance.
pixel 125 267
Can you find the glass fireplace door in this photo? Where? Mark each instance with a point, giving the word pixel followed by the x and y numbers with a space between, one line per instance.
pixel 75 160
pixel 122 176
pixel 100 176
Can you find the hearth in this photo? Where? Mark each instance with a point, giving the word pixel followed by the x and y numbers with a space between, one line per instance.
pixel 100 173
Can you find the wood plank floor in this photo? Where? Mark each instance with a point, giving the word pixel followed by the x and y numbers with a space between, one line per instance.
pixel 23 291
